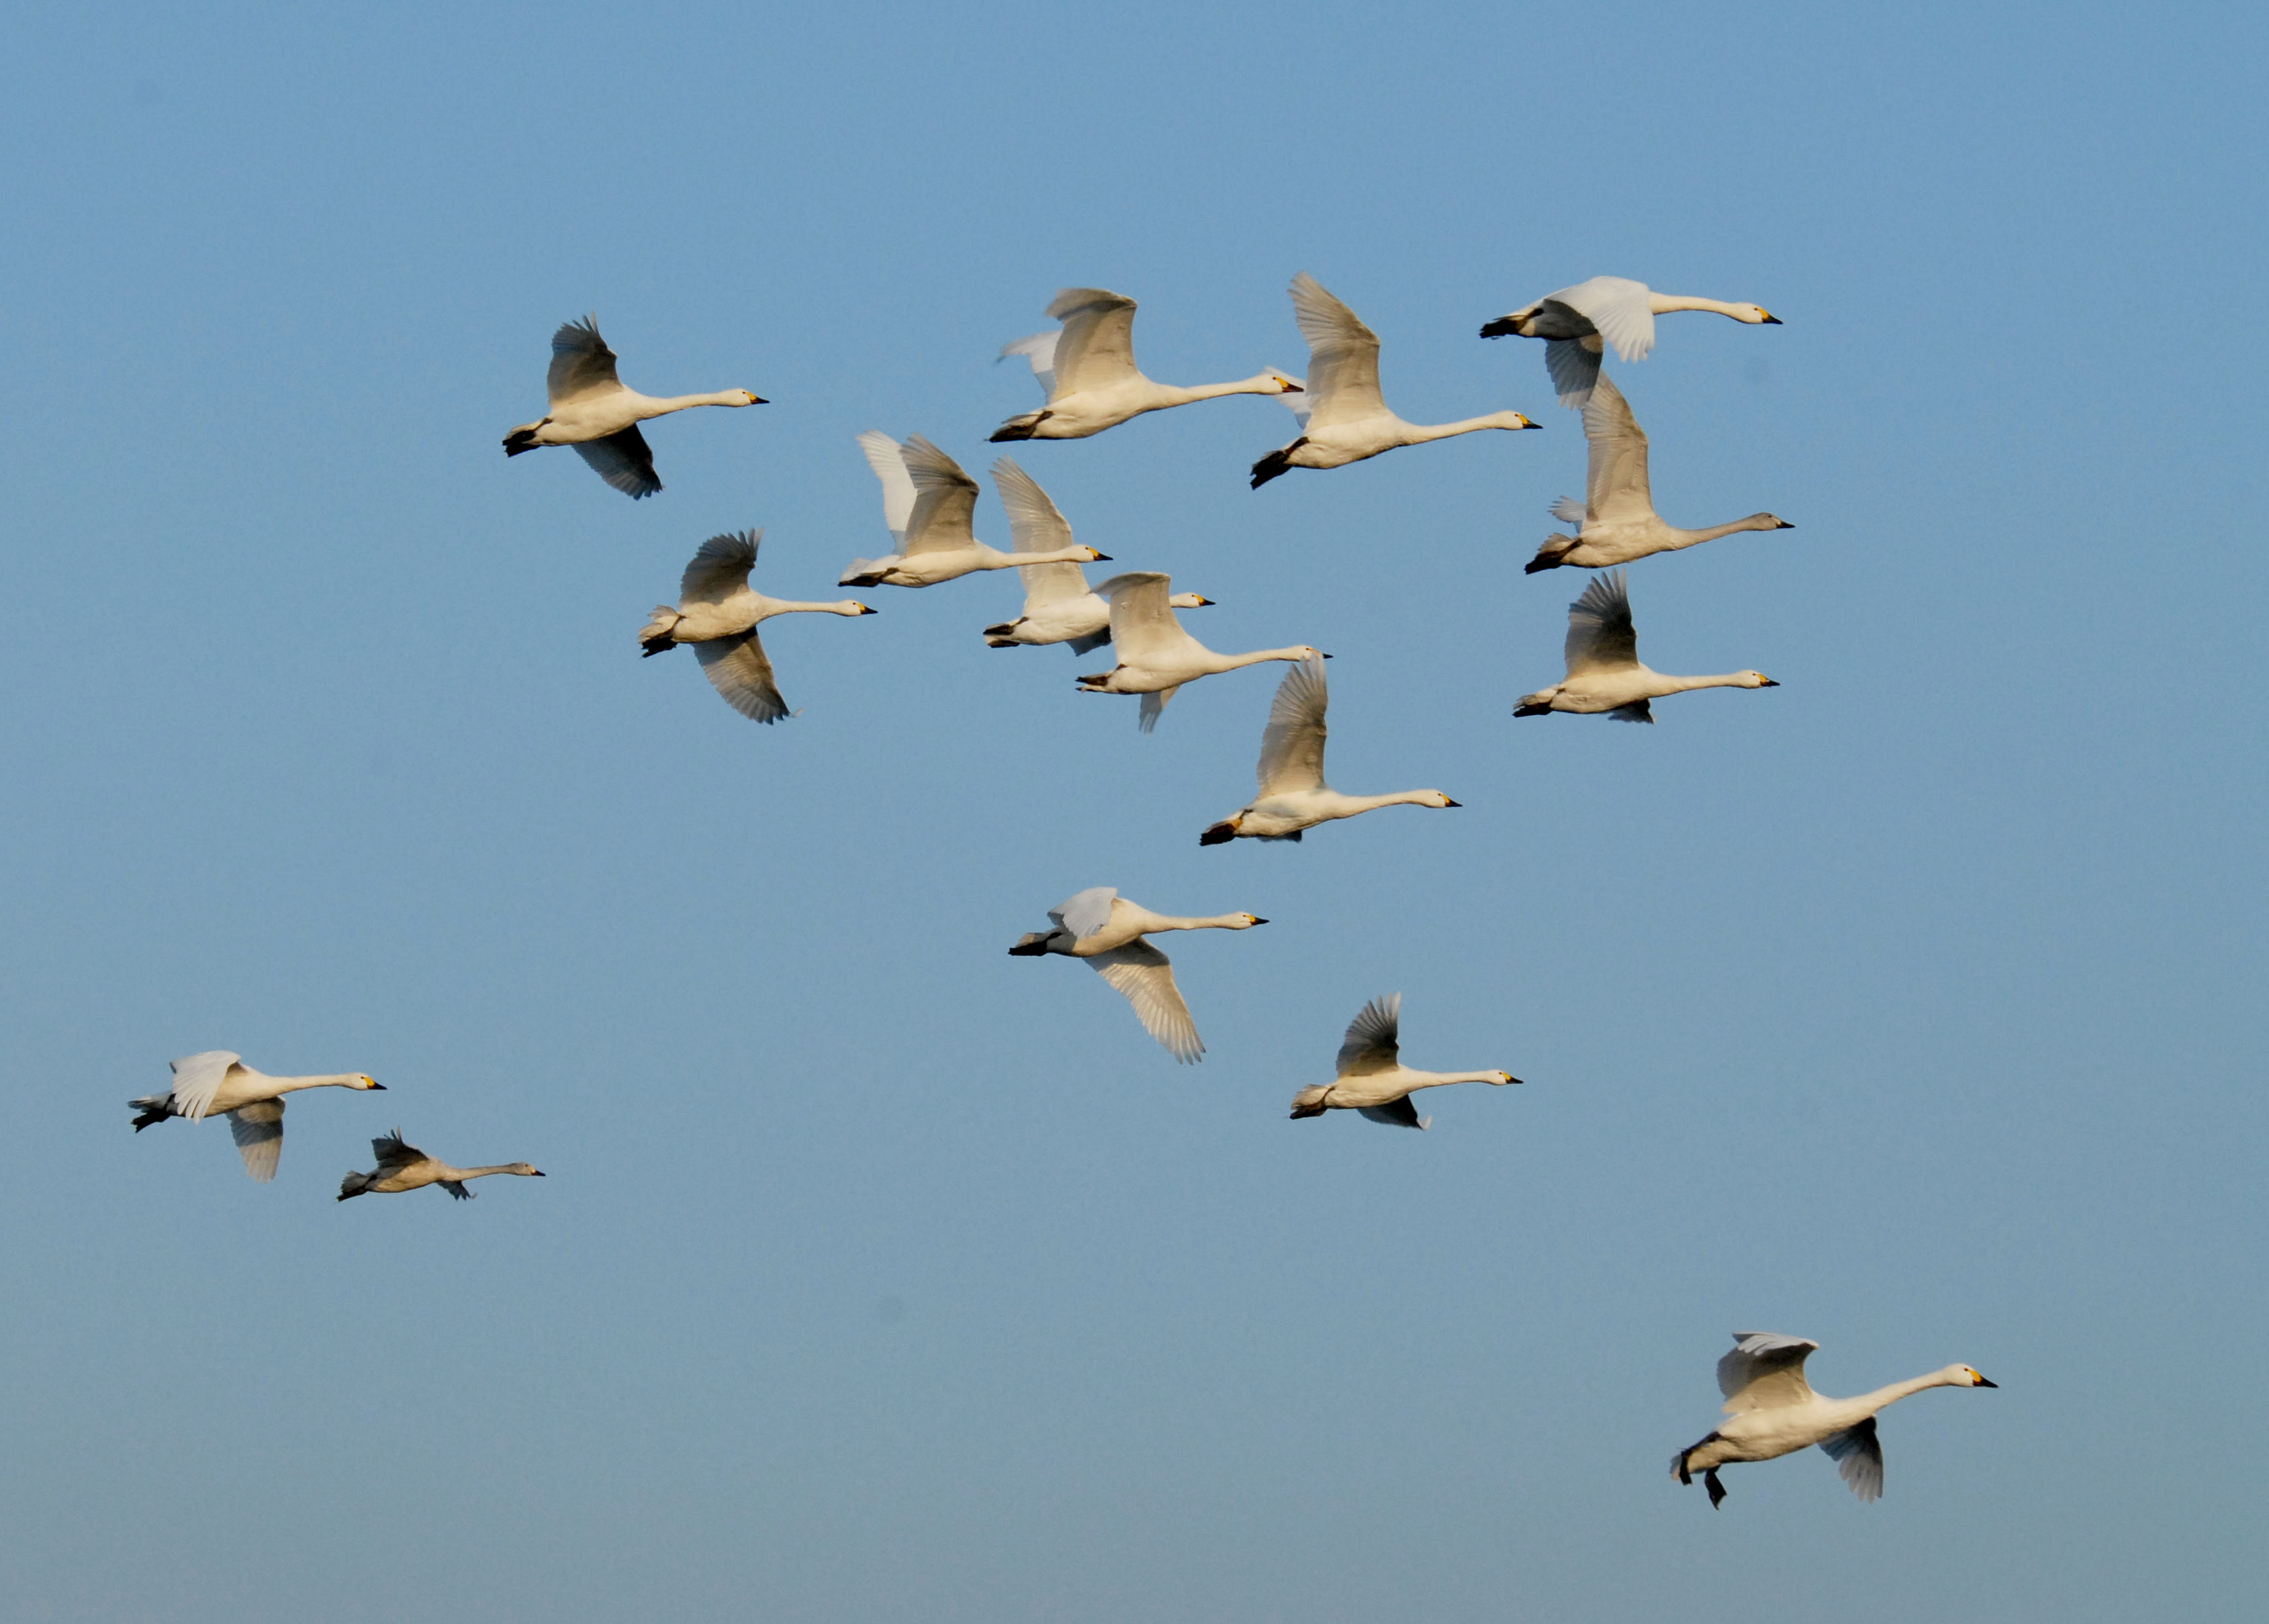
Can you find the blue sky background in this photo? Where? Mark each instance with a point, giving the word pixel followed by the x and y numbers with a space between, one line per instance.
pixel 1914 1006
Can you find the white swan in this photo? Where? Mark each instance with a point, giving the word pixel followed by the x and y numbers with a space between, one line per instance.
pixel 1156 656
pixel 1058 606
pixel 218 1082
pixel 1107 930
pixel 1087 365
pixel 1347 420
pixel 1577 324
pixel 718 612
pixel 405 1167
pixel 1293 793
pixel 1615 522
pixel 930 516
pixel 1373 1080
pixel 1603 670
pixel 1775 1413
pixel 592 412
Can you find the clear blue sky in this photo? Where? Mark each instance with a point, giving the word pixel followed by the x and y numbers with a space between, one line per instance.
pixel 1915 1006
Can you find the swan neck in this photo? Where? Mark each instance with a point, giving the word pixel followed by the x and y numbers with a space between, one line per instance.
pixel 331 1080
pixel 1688 684
pixel 1435 1080
pixel 679 403
pixel 1230 662
pixel 782 606
pixel 1883 1397
pixel 1663 304
pixel 1421 433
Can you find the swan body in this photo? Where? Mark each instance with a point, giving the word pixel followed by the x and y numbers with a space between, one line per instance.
pixel 1615 522
pixel 930 506
pixel 718 613
pixel 1373 1080
pixel 1604 675
pixel 1293 794
pixel 1058 606
pixel 1103 928
pixel 218 1082
pixel 405 1167
pixel 1577 323
pixel 1345 417
pixel 1156 656
pixel 591 411
pixel 1775 1412
pixel 1087 365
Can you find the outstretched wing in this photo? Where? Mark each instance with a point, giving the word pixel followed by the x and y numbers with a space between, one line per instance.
pixel 1085 913
pixel 1574 365
pixel 1292 744
pixel 1097 346
pixel 1764 1371
pixel 258 1131
pixel 1616 489
pixel 1143 622
pixel 738 670
pixel 1395 1113
pixel 1146 980
pixel 624 461
pixel 1036 526
pixel 897 486
pixel 945 499
pixel 1343 357
pixel 1619 308
pixel 394 1153
pixel 1374 1039
pixel 1859 1457
pixel 1040 350
pixel 1600 637
pixel 457 1190
pixel 197 1079
pixel 720 568
pixel 1569 511
pixel 581 363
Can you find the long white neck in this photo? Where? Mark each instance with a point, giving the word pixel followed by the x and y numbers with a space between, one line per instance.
pixel 1435 1080
pixel 1663 304
pixel 1883 1397
pixel 1219 921
pixel 335 1079
pixel 1688 684
pixel 458 1175
pixel 1231 663
pixel 1418 433
pixel 1399 798
pixel 655 405
pixel 1695 538
pixel 766 608
pixel 1265 383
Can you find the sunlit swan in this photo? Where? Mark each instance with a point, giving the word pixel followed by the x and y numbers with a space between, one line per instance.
pixel 1347 420
pixel 1615 522
pixel 592 412
pixel 718 612
pixel 218 1082
pixel 1603 670
pixel 935 542
pixel 1058 606
pixel 405 1167
pixel 1293 793
pixel 1156 656
pixel 1373 1080
pixel 1775 1412
pixel 1107 930
pixel 1577 324
pixel 1087 365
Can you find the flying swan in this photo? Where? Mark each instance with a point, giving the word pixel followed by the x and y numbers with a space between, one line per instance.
pixel 590 410
pixel 1087 365
pixel 1578 322
pixel 1156 656
pixel 1293 793
pixel 929 505
pixel 1603 670
pixel 1345 418
pixel 1373 1078
pixel 218 1082
pixel 405 1167
pixel 1058 606
pixel 1615 522
pixel 718 612
pixel 1107 930
pixel 1775 1413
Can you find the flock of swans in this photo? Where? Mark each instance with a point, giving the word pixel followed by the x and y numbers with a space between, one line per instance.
pixel 1086 365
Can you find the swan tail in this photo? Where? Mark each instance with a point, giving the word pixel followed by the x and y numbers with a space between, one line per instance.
pixel 1032 944
pixel 1309 1102
pixel 354 1184
pixel 1503 327
pixel 1019 428
pixel 1220 834
pixel 1276 462
pixel 1534 704
pixel 154 1108
pixel 521 439
pixel 656 638
pixel 1553 554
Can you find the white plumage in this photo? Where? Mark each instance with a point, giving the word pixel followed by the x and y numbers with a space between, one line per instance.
pixel 1103 928
pixel 1604 675
pixel 218 1082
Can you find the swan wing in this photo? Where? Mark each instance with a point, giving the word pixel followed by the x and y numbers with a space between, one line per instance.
pixel 1146 980
pixel 720 568
pixel 394 1153
pixel 1343 357
pixel 738 670
pixel 624 461
pixel 197 1079
pixel 581 363
pixel 1619 308
pixel 1087 912
pixel 1040 351
pixel 897 486
pixel 1035 525
pixel 1292 744
pixel 1569 511
pixel 1395 1113
pixel 1616 489
pixel 945 500
pixel 1096 348
pixel 1766 1371
pixel 258 1131
pixel 1859 1457
pixel 1600 637
pixel 1374 1039
pixel 1143 621
pixel 1574 365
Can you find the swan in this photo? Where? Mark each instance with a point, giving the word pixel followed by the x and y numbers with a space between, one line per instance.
pixel 1293 793
pixel 219 1082
pixel 1373 1080
pixel 718 612
pixel 1087 365
pixel 1156 656
pixel 590 410
pixel 405 1167
pixel 1058 606
pixel 1578 322
pixel 930 515
pixel 1603 670
pixel 1346 420
pixel 1615 522
pixel 1103 928
pixel 1776 1412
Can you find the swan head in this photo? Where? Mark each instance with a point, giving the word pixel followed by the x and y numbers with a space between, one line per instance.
pixel 1246 921
pixel 1515 420
pixel 1755 679
pixel 1963 1376
pixel 747 397
pixel 1189 600
pixel 1287 384
pixel 1497 1079
pixel 364 1081
pixel 1770 521
pixel 1094 557
pixel 525 1171
pixel 1434 798
pixel 1754 314
pixel 853 607
pixel 1300 653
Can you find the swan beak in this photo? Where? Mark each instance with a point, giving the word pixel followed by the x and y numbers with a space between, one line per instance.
pixel 1205 602
pixel 1982 1381
pixel 1327 656
pixel 865 609
pixel 1509 1077
pixel 1772 320
pixel 1784 525
pixel 1256 919
pixel 379 1086
pixel 536 1172
pixel 756 399
pixel 1768 683
pixel 1101 557
pixel 1527 422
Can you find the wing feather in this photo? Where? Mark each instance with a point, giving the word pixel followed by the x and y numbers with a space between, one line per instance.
pixel 1146 980
pixel 197 1079
pixel 1859 1457
pixel 1395 1113
pixel 1764 1371
pixel 1374 1039
pixel 739 670
pixel 1618 307
pixel 1600 637
pixel 1096 348
pixel 720 568
pixel 1040 351
pixel 1342 383
pixel 1036 525
pixel 1143 621
pixel 258 1131
pixel 1085 912
pixel 897 486
pixel 581 363
pixel 1292 744
pixel 945 500
pixel 624 461
pixel 1616 487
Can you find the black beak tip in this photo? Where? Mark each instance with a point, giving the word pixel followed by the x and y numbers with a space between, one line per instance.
pixel 1785 525
pixel 1769 683
pixel 1982 1381
pixel 1260 921
pixel 760 401
pixel 1327 656
pixel 539 1173
pixel 1446 802
pixel 1104 558
pixel 1773 322
pixel 380 1087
